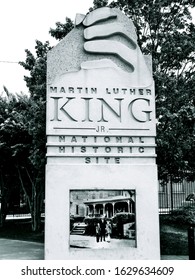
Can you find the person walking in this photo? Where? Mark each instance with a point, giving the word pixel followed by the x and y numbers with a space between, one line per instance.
pixel 103 229
pixel 108 230
pixel 97 232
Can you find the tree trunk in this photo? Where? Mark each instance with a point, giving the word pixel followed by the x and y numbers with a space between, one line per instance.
pixel 2 212
pixel 36 208
pixel 3 202
pixel 33 202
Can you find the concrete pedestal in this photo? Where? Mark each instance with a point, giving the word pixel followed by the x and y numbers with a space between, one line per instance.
pixel 63 178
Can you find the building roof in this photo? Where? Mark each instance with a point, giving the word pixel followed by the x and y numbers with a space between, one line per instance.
pixel 108 199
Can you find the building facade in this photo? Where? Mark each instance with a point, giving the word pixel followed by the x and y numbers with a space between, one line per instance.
pixel 106 203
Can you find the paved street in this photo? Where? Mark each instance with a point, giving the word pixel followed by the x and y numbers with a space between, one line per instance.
pixel 21 250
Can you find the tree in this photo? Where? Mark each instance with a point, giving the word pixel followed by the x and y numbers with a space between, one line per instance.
pixel 32 172
pixel 165 31
pixel 61 29
pixel 36 65
pixel 14 147
pixel 36 82
pixel 22 151
pixel 99 4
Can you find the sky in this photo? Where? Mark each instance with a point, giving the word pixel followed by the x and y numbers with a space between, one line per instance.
pixel 21 23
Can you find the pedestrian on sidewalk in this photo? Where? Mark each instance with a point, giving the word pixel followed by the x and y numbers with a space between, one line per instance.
pixel 97 232
pixel 103 229
pixel 108 230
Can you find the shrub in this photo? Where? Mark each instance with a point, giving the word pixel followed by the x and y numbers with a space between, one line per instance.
pixel 184 215
pixel 119 220
pixel 91 223
pixel 78 219
pixel 123 218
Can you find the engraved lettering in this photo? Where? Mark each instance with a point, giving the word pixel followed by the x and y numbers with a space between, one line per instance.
pixel 117 160
pixel 83 149
pixel 53 89
pixel 120 149
pixel 61 149
pixel 62 90
pixel 87 160
pixel 141 140
pixel 87 113
pixel 106 139
pixel 95 149
pixel 118 139
pixel 74 139
pixel 93 90
pixel 141 91
pixel 107 149
pixel 71 90
pixel 64 111
pixel 104 104
pixel 61 138
pixel 147 113
pixel 130 140
pixel 84 138
pixel 141 149
pixel 107 159
pixel 55 113
pixel 79 89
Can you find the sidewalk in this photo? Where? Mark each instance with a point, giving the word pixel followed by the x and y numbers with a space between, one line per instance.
pixel 24 250
pixel 20 250
pixel 89 242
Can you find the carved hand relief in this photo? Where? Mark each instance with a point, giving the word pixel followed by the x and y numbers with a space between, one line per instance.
pixel 105 37
pixel 99 85
pixel 105 49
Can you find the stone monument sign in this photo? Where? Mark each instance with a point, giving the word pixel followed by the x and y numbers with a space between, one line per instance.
pixel 101 131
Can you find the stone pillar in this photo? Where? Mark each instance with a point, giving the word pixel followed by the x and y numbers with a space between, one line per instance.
pixel 104 210
pixel 101 129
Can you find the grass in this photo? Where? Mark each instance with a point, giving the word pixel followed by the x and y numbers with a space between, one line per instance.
pixel 21 230
pixel 173 238
pixel 173 241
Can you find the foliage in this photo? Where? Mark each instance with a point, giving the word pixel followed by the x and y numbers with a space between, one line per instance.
pixel 183 216
pixel 20 229
pixel 173 237
pixel 173 241
pixel 118 220
pixel 77 218
pixel 62 29
pixel 36 82
pixel 36 65
pixel 14 147
pixel 166 32
pixel 123 218
pixel 91 223
pixel 20 168
pixel 98 4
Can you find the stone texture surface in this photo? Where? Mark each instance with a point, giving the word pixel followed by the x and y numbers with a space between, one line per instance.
pixel 82 100
pixel 69 53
